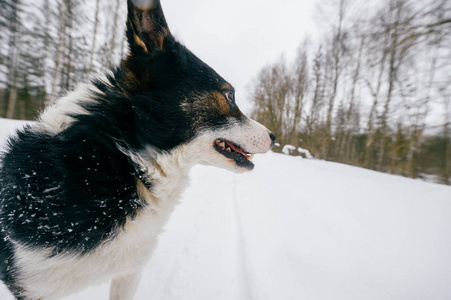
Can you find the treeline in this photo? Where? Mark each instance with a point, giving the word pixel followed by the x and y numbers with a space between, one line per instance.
pixel 375 91
pixel 47 46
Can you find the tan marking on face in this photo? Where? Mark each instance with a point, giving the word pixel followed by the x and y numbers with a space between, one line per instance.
pixel 222 103
pixel 145 194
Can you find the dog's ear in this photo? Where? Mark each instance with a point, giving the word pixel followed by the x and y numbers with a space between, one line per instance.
pixel 147 29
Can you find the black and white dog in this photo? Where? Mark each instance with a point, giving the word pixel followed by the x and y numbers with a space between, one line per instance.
pixel 86 190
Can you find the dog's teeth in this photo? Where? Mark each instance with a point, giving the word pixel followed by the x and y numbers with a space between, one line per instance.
pixel 222 145
pixel 228 149
pixel 250 158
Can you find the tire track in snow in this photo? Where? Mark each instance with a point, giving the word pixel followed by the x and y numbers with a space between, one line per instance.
pixel 242 262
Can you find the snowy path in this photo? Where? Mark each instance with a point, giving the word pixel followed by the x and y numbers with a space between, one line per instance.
pixel 301 229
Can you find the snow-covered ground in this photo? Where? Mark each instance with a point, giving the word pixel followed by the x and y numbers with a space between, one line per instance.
pixel 300 229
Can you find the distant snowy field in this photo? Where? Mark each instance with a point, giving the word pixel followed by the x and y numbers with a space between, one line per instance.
pixel 299 229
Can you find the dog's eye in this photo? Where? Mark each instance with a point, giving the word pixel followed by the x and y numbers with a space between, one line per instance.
pixel 229 95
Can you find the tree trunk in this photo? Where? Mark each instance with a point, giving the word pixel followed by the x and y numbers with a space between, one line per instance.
pixel 113 38
pixel 94 36
pixel 69 24
pixel 13 61
pixel 123 45
pixel 344 144
pixel 392 76
pixel 337 53
pixel 446 172
pixel 12 101
pixel 59 51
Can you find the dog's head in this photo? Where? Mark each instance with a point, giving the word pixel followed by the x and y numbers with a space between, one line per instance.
pixel 179 102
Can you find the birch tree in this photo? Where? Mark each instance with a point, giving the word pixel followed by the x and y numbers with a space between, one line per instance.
pixel 12 59
pixel 112 43
pixel 94 36
pixel 62 9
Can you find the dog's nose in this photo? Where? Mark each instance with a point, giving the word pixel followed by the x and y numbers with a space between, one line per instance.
pixel 273 138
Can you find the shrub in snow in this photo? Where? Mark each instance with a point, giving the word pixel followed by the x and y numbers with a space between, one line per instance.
pixel 305 153
pixel 291 150
pixel 288 149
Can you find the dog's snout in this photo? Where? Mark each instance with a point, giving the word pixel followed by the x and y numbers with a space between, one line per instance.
pixel 273 138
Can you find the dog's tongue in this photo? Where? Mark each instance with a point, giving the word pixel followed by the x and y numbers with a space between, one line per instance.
pixel 236 149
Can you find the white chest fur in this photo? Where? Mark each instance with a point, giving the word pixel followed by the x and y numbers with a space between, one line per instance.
pixel 52 278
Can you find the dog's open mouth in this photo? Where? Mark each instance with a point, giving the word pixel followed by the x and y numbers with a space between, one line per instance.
pixel 232 151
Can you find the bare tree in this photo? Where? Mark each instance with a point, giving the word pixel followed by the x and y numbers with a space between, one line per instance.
pixel 446 170
pixel 317 100
pixel 112 44
pixel 94 36
pixel 62 9
pixel 13 57
pixel 350 128
pixel 337 47
pixel 299 85
pixel 278 94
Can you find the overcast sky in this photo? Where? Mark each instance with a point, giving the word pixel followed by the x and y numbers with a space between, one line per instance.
pixel 239 37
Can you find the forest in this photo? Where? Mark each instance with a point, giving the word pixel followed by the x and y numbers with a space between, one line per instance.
pixel 48 46
pixel 373 90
